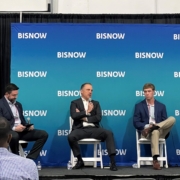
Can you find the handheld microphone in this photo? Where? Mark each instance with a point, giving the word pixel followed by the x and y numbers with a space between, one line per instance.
pixel 89 99
pixel 28 120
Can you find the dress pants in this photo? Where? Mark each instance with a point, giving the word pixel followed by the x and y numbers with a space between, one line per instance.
pixel 165 127
pixel 91 132
pixel 39 136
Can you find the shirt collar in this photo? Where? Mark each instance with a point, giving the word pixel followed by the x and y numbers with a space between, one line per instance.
pixel 84 99
pixel 149 104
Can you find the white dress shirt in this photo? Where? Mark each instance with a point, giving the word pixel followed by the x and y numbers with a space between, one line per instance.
pixel 85 124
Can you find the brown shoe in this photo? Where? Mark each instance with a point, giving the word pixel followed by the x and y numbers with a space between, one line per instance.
pixel 146 131
pixel 156 165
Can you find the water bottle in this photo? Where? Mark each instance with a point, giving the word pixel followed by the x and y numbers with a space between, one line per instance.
pixel 135 166
pixel 39 165
pixel 69 165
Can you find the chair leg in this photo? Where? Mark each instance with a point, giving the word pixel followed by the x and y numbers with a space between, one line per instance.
pixel 100 154
pixel 161 153
pixel 165 152
pixel 138 155
pixel 95 155
pixel 72 158
pixel 21 151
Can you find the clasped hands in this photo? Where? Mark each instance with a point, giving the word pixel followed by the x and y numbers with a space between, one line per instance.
pixel 21 128
pixel 90 108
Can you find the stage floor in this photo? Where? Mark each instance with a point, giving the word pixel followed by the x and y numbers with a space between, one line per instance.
pixel 122 173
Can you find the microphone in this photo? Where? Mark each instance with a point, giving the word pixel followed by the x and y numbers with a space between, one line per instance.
pixel 89 99
pixel 28 120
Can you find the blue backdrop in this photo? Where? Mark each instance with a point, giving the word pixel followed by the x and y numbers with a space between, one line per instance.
pixel 51 61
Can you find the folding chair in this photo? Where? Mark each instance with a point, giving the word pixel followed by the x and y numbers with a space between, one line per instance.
pixel 97 146
pixel 162 147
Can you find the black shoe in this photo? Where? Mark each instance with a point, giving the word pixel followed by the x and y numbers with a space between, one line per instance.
pixel 79 165
pixel 113 167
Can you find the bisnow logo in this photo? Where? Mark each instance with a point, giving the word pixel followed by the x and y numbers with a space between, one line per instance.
pixel 42 152
pixel 156 93
pixel 67 93
pixel 110 35
pixel 176 74
pixel 29 74
pixel 120 152
pixel 113 74
pixel 28 35
pixel 71 54
pixel 176 36
pixel 177 112
pixel 178 152
pixel 61 132
pixel 35 113
pixel 113 112
pixel 149 55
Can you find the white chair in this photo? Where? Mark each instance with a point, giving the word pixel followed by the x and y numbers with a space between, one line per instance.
pixel 21 151
pixel 97 146
pixel 162 147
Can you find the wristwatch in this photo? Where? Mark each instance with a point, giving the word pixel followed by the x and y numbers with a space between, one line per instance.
pixel 88 114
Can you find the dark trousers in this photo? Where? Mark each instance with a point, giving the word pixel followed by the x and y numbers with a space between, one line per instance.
pixel 39 136
pixel 91 132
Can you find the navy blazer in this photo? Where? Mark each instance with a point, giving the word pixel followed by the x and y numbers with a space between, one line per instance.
pixel 5 111
pixel 94 118
pixel 141 114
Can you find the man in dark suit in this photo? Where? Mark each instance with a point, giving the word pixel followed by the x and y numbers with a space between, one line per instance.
pixel 13 112
pixel 87 115
pixel 150 119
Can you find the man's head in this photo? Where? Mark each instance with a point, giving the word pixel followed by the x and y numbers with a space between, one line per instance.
pixel 86 91
pixel 5 136
pixel 11 92
pixel 149 89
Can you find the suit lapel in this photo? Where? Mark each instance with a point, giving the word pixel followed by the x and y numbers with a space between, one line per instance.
pixel 145 107
pixel 81 104
pixel 155 109
pixel 7 107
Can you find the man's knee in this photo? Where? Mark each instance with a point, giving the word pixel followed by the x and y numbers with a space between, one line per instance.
pixel 155 133
pixel 109 133
pixel 15 137
pixel 44 134
pixel 71 138
pixel 172 119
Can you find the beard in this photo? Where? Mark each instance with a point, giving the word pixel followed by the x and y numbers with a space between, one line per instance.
pixel 12 100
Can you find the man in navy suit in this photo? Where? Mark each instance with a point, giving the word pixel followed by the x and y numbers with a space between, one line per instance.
pixel 87 115
pixel 12 110
pixel 150 119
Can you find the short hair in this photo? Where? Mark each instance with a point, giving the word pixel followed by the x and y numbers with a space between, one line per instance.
pixel 85 84
pixel 10 87
pixel 5 129
pixel 149 85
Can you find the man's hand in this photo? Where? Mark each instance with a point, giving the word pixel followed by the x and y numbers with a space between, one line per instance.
pixel 90 107
pixel 20 128
pixel 77 110
pixel 31 128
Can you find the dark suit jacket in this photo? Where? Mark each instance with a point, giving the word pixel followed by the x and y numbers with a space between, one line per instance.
pixel 141 114
pixel 5 111
pixel 94 118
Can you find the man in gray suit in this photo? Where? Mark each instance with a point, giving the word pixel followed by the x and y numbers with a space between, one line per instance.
pixel 86 114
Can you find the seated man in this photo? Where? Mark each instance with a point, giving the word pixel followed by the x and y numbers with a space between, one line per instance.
pixel 13 112
pixel 87 115
pixel 150 118
pixel 13 166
